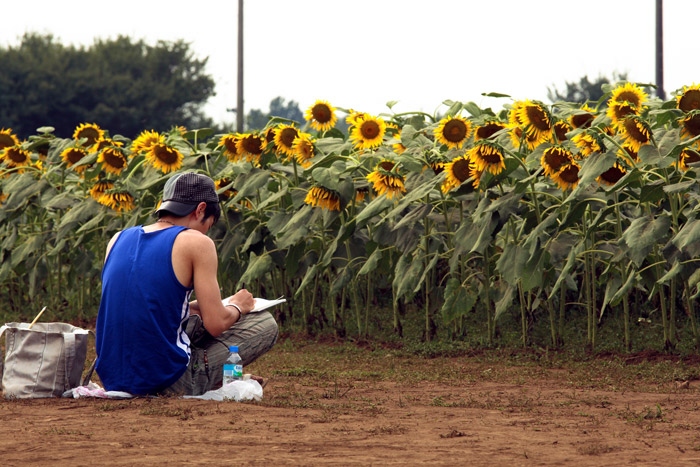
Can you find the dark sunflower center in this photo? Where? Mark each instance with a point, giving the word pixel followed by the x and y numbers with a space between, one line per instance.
pixel 537 117
pixel 634 132
pixel 630 97
pixel 287 136
pixel 690 100
pixel 623 110
pixel 569 174
pixel 165 154
pixel 270 135
pixel 555 158
pixel 230 144
pixel 386 165
pixel 74 156
pixel 460 169
pixel 17 155
pixel 455 131
pixel 90 133
pixel 115 159
pixel 561 130
pixel 253 144
pixel 5 141
pixel 692 125
pixel 321 113
pixel 490 155
pixel 690 156
pixel 612 175
pixel 488 130
pixel 369 129
pixel 582 120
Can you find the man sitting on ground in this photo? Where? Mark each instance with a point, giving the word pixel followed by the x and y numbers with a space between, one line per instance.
pixel 150 338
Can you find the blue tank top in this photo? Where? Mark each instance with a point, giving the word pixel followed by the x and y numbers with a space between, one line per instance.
pixel 141 343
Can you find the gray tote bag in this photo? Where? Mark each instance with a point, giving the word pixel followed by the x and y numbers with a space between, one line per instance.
pixel 43 361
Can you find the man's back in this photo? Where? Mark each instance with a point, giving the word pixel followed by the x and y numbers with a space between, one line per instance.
pixel 141 343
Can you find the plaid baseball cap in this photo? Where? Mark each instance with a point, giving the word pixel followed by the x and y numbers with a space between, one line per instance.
pixel 184 191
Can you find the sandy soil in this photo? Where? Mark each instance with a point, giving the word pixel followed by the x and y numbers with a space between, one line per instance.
pixel 545 420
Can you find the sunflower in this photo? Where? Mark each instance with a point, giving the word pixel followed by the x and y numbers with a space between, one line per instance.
pixel 353 117
pixel 269 136
pixel 321 115
pixel 146 140
pixel 618 111
pixel 629 92
pixel 7 139
pixel 687 156
pixel 487 156
pixel 105 143
pixel 567 177
pixel 386 179
pixel 117 200
pixel 230 144
pixel 303 149
pixel 457 172
pixel 361 193
pixel 612 175
pixel 399 148
pixel 536 120
pixel 99 188
pixel 437 167
pixel 15 156
pixel 690 126
pixel 226 194
pixel 112 159
pixel 635 132
pixel 164 158
pixel 323 198
pixel 72 156
pixel 628 154
pixel 588 143
pixel 561 128
pixel 689 99
pixel 453 131
pixel 251 147
pixel 368 132
pixel 555 158
pixel 516 136
pixel 178 130
pixel 284 140
pixel 488 129
pixel 90 131
pixel 583 117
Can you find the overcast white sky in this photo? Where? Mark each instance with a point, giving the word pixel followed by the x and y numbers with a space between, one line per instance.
pixel 360 54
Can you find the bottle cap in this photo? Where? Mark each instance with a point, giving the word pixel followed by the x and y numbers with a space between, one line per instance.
pixel 233 348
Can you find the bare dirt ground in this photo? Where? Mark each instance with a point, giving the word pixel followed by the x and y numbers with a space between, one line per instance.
pixel 342 404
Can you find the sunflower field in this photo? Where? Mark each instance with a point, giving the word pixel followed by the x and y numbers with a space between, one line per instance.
pixel 560 217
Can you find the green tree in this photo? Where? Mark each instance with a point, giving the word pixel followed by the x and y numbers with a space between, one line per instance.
pixel 584 90
pixel 257 119
pixel 121 85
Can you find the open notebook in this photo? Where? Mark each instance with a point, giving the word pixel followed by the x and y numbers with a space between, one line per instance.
pixel 260 303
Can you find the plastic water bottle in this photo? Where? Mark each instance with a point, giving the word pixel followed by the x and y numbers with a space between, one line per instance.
pixel 233 369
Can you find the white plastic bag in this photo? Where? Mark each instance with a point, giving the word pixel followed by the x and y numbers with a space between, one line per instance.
pixel 241 390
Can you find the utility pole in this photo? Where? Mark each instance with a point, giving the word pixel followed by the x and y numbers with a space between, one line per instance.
pixel 240 114
pixel 660 50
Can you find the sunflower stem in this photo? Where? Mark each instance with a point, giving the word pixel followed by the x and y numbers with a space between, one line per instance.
pixel 487 297
pixel 691 313
pixel 523 314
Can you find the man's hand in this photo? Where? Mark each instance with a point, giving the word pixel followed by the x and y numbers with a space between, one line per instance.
pixel 244 300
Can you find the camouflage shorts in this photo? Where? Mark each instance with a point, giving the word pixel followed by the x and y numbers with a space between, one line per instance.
pixel 254 334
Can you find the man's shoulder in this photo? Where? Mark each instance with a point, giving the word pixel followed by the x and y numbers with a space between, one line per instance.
pixel 193 237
